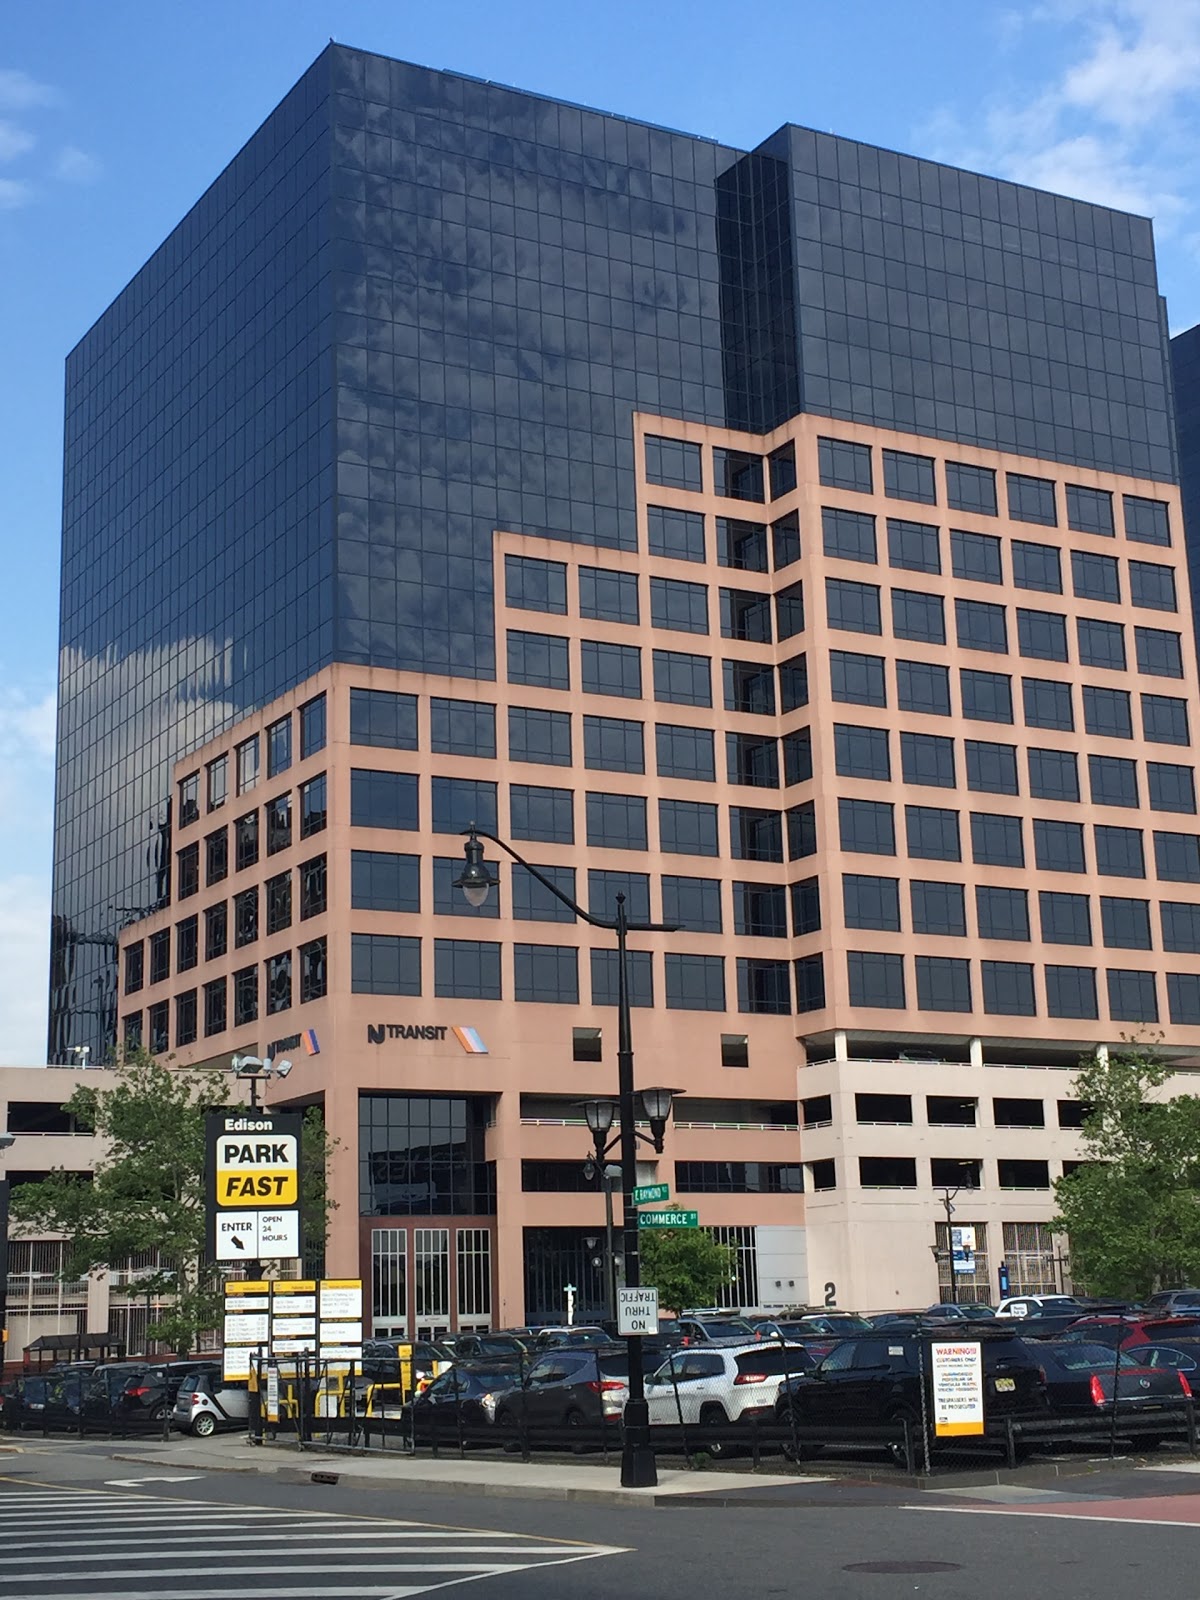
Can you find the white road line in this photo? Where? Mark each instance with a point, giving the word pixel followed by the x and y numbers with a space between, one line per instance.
pixel 382 1591
pixel 212 1551
pixel 1083 1517
pixel 294 1535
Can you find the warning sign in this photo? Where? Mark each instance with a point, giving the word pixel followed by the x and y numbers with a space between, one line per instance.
pixel 253 1185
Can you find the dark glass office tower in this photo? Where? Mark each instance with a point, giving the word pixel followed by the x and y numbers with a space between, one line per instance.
pixel 417 308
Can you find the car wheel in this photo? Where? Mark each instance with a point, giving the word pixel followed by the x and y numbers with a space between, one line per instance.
pixel 801 1449
pixel 896 1446
pixel 158 1413
pixel 713 1417
pixel 510 1433
pixel 205 1425
pixel 574 1421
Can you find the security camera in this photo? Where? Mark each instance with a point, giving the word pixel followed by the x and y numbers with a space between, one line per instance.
pixel 282 1068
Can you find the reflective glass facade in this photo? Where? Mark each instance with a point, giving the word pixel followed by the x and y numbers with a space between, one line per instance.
pixel 417 308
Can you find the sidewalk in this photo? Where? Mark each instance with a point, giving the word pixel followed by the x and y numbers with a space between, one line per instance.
pixel 484 1474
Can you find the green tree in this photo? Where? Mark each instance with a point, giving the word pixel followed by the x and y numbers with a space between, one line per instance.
pixel 686 1265
pixel 1132 1210
pixel 146 1193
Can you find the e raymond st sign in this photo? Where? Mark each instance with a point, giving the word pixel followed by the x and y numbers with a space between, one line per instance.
pixel 252 1167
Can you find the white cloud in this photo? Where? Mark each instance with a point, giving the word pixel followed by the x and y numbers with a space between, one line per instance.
pixel 14 192
pixel 24 968
pixel 20 92
pixel 75 165
pixel 14 141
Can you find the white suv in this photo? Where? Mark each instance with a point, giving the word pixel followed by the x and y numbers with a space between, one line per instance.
pixel 716 1385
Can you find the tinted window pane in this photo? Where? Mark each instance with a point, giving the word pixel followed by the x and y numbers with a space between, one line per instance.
pixel 1158 653
pixel 1089 510
pixel 539 736
pixel 932 833
pixel 459 802
pixel 991 768
pixel 538 813
pixel 606 595
pixel 1053 775
pixel 1101 644
pixel 849 535
pixel 1119 852
pixel 466 969
pixel 538 659
pixel 1058 846
pixel 1132 996
pixel 938 908
pixel 1071 991
pixel 1152 585
pixel 871 902
pixel 1146 520
pixel 378 717
pixel 1008 989
pixel 1106 712
pixel 616 821
pixel 943 984
pixel 908 477
pixel 876 979
pixel 986 696
pixel 861 752
pixel 1002 913
pixel 927 759
pixel 918 616
pixel 1031 499
pixel 534 585
pixel 971 488
pixel 383 799
pixel 1047 704
pixel 1113 781
pixel 1125 924
pixel 1066 918
pixel 980 626
pixel 866 826
pixel 683 680
pixel 611 744
pixel 913 545
pixel 684 752
pixel 684 607
pixel 1042 635
pixel 611 669
pixel 1095 577
pixel 673 463
pixel 677 534
pixel 996 840
pixel 462 728
pixel 1165 719
pixel 842 465
pixel 1172 788
pixel 857 679
pixel 1036 566
pixel 976 556
pixel 694 983
pixel 687 828
pixel 923 687
pixel 694 903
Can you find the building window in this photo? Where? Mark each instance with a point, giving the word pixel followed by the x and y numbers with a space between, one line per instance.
pixel 1031 499
pixel 278 970
pixel 1036 566
pixel 383 800
pixel 932 833
pixel 451 902
pixel 922 687
pixel 801 831
pixel 975 557
pixel 737 475
pixel 678 535
pixel 797 756
pixel 245 996
pixel 1146 521
pixel 216 857
pixel 1095 577
pixel 1002 913
pixel 385 963
pixel 869 902
pixel 681 679
pixel 760 910
pixel 1119 852
pixel 604 887
pixel 188 877
pixel 1041 635
pixel 1071 992
pixel 1132 996
pixel 687 828
pixel 927 759
pixel 693 903
pixel 279 824
pixel 245 917
pixel 313 974
pixel 547 973
pixel 764 987
pixel 970 489
pixel 216 930
pixel 1106 712
pixel 606 595
pixel 458 803
pixel 214 1007
pixel 756 834
pixel 986 696
pixel 187 944
pixel 1048 704
pixel 587 1044
pixel 534 585
pixel 1066 918
pixel 806 906
pixel 462 728
pixel 312 727
pixel 848 535
pixel 996 840
pixel 613 744
pixel 279 902
pixel 749 687
pixel 616 821
pixel 159 1019
pixel 695 983
pixel 1113 781
pixel 991 768
pixel 245 834
pixel 918 616
pixel 735 1050
pixel 683 607
pixel 782 466
pixel 793 683
pixel 1172 788
pixel 1008 989
pixel 533 902
pixel 1158 653
pixel 160 956
pixel 745 614
pixel 1165 719
pixel 810 983
pixel 857 679
pixel 135 966
pixel 217 776
pixel 1177 857
pixel 1089 510
pixel 861 752
pixel 913 546
pixel 539 660
pixel 876 980
pixel 314 811
pixel 938 909
pixel 1183 997
pixel 540 737
pixel 279 747
pixel 1058 846
pixel 789 611
pixel 674 463
pixel 1101 644
pixel 743 545
pixel 843 465
pixel 605 978
pixel 1053 775
pixel 684 753
pixel 943 983
pixel 543 814
pixel 247 764
pixel 189 799
pixel 1126 924
pixel 908 477
pixel 981 626
pixel 381 881
pixel 853 607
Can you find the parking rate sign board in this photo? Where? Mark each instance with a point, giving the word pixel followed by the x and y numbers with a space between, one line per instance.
pixel 253 1184
pixel 957 1387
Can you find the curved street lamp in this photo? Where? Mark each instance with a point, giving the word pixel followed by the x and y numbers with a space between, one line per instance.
pixel 476 881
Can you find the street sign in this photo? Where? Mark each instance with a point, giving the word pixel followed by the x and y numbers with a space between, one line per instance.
pixel 253 1184
pixel 651 1191
pixel 637 1312
pixel 668 1219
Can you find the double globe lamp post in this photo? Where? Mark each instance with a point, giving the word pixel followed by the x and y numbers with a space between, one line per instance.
pixel 476 881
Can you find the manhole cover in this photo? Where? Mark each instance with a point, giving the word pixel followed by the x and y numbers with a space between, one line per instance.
pixel 903 1566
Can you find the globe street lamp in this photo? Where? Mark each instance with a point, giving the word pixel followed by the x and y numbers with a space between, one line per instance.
pixel 476 880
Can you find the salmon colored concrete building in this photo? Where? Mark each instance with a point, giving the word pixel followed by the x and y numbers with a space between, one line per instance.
pixel 788 540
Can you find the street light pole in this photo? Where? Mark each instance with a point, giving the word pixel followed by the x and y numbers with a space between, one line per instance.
pixel 6 1139
pixel 638 1468
pixel 948 1198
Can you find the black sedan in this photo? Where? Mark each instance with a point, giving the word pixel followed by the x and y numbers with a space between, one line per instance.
pixel 461 1404
pixel 1086 1380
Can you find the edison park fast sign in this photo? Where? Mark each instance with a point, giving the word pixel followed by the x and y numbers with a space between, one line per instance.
pixel 253 1181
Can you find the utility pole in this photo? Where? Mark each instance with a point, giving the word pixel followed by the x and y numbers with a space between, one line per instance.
pixel 948 1198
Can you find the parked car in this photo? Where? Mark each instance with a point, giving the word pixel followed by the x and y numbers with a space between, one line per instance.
pixel 209 1404
pixel 872 1381
pixel 567 1388
pixel 148 1396
pixel 1180 1357
pixel 955 1311
pixel 1129 1332
pixel 381 1360
pixel 717 1385
pixel 466 1396
pixel 486 1346
pixel 1034 1305
pixel 1086 1380
pixel 1171 1302
pixel 23 1403
pixel 717 1329
pixel 582 1333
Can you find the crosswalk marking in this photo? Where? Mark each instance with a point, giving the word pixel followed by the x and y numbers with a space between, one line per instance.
pixel 80 1544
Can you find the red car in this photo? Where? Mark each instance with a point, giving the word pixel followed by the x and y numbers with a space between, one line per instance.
pixel 1129 1332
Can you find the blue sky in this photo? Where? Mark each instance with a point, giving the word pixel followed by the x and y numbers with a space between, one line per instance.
pixel 114 117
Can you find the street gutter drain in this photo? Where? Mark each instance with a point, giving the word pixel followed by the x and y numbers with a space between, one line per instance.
pixel 903 1566
pixel 323 1477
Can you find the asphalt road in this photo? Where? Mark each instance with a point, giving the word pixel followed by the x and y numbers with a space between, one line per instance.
pixel 75 1523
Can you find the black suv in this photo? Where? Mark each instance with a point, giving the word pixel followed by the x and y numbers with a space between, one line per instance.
pixel 875 1380
pixel 582 1390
